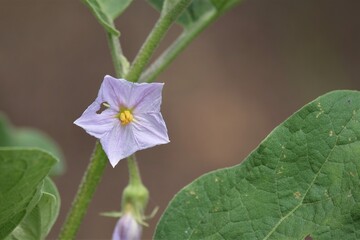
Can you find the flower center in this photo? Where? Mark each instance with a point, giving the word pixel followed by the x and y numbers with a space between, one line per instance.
pixel 126 117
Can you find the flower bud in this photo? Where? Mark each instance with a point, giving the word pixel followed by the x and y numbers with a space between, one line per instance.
pixel 127 228
pixel 135 198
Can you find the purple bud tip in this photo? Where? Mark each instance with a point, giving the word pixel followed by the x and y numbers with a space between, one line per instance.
pixel 127 228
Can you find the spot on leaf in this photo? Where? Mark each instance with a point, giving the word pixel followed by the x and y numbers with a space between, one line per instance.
pixel 297 195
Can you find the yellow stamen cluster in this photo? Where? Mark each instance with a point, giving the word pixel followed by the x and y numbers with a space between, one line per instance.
pixel 125 117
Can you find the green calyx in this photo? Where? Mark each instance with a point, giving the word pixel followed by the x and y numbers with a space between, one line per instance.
pixel 135 199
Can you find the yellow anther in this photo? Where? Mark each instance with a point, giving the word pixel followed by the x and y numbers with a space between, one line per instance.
pixel 122 117
pixel 125 117
pixel 128 115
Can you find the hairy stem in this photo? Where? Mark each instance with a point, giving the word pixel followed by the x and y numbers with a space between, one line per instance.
pixel 121 65
pixel 181 43
pixel 98 160
pixel 176 48
pixel 153 40
pixel 85 193
pixel 134 173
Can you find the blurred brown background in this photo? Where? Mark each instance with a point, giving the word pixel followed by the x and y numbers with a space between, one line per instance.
pixel 243 76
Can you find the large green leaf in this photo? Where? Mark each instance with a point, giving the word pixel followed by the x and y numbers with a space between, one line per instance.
pixel 106 11
pixel 27 137
pixel 37 224
pixel 21 180
pixel 303 179
pixel 198 11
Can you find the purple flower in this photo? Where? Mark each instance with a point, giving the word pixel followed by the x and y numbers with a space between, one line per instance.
pixel 131 121
pixel 127 229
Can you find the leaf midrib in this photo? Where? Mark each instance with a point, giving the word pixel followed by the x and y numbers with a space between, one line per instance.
pixel 311 184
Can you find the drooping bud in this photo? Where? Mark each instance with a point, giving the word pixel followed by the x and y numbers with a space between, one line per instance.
pixel 134 199
pixel 127 228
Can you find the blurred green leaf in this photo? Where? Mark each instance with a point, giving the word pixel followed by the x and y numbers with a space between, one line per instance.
pixel 21 180
pixel 37 224
pixel 303 179
pixel 106 11
pixel 198 11
pixel 27 137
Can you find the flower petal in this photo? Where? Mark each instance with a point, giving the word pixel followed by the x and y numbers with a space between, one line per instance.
pixel 146 97
pixel 115 91
pixel 119 143
pixel 149 130
pixel 96 124
pixel 127 229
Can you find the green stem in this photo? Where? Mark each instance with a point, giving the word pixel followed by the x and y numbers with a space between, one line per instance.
pixel 97 163
pixel 135 195
pixel 177 47
pixel 182 42
pixel 121 65
pixel 134 173
pixel 121 69
pixel 86 190
pixel 154 38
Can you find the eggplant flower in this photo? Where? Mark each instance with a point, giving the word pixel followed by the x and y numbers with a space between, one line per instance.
pixel 127 229
pixel 131 120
